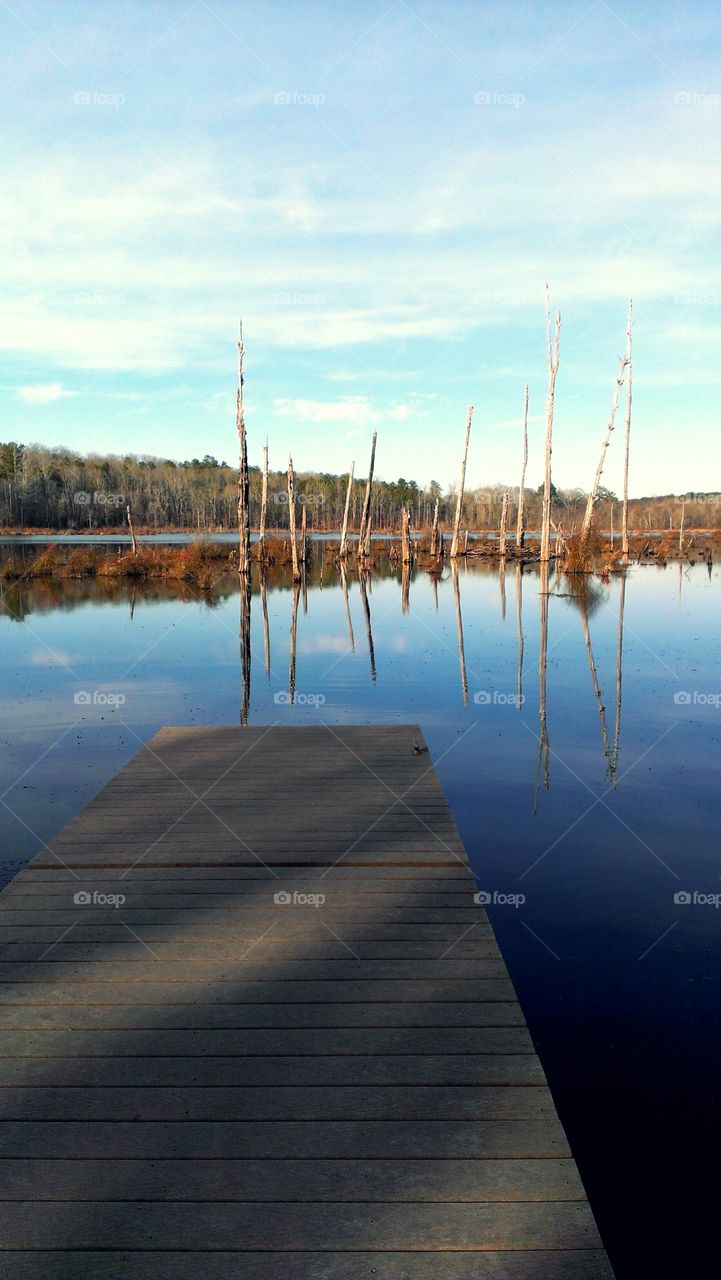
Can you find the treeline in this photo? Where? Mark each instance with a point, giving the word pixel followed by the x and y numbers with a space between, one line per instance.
pixel 59 489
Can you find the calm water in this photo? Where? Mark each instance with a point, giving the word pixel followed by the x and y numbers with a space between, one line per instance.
pixel 619 983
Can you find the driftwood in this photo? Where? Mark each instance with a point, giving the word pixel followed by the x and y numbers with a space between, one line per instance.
pixel 459 503
pixel 553 355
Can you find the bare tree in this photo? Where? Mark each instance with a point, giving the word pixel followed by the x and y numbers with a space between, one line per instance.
pixel 243 475
pixel 624 541
pixel 553 354
pixel 461 487
pixel 435 542
pixel 291 519
pixel 502 530
pixel 344 531
pixel 520 529
pixel 593 495
pixel 364 535
pixel 263 504
pixel 133 541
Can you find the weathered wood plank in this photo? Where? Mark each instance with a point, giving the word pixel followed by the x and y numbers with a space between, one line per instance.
pixel 206 1075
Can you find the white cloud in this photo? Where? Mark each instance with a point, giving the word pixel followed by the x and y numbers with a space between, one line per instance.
pixel 43 393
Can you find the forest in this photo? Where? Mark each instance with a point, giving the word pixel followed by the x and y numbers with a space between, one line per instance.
pixel 42 488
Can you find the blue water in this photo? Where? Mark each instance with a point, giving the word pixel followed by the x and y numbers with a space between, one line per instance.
pixel 619 983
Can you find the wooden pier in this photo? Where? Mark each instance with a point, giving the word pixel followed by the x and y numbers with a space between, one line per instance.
pixel 254 1025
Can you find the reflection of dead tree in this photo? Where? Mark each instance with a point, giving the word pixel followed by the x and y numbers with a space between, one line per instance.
pixel 627 439
pixel 594 678
pixel 406 588
pixel 434 582
pixel 543 767
pixel 349 620
pixel 243 474
pixel 619 681
pixel 520 525
pixel 363 580
pixel 459 629
pixel 245 592
pixel 293 639
pixel 553 354
pixel 344 532
pixel 519 627
pixel 266 627
pixel 364 536
pixel 459 503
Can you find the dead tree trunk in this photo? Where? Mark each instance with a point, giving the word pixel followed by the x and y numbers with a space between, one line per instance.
pixel 459 503
pixel 364 535
pixel 624 541
pixel 243 475
pixel 434 533
pixel 520 527
pixel 291 519
pixel 553 353
pixel 593 495
pixel 304 534
pixel 407 552
pixel 344 532
pixel 133 541
pixel 502 530
pixel 683 521
pixel 263 504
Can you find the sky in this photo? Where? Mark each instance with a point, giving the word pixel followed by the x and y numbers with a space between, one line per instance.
pixel 380 191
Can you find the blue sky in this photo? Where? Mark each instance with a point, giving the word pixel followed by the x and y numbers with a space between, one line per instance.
pixel 381 191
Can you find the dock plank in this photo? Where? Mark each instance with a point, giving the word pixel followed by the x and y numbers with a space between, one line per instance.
pixel 293 1047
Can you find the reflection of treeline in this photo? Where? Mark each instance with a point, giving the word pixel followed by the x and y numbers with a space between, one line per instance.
pixel 58 489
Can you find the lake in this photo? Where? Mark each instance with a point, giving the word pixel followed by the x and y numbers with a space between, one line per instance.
pixel 588 799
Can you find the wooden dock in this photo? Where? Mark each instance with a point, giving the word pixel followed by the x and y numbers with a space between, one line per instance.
pixel 292 1050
